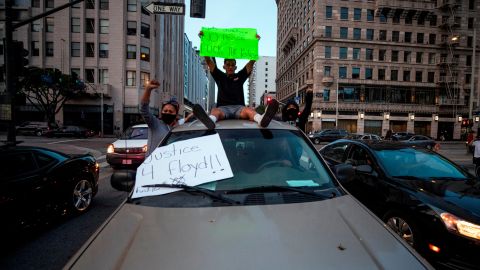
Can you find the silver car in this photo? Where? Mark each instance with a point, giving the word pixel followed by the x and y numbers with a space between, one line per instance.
pixel 282 209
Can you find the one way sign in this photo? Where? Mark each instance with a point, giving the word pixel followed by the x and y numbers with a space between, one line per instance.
pixel 166 8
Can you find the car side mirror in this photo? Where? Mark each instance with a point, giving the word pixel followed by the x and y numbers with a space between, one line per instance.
pixel 345 172
pixel 364 169
pixel 123 180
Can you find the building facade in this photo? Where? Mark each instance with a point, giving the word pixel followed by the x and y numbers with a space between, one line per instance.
pixel 115 47
pixel 403 65
pixel 196 83
pixel 262 79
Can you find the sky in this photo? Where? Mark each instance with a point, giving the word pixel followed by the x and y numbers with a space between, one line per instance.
pixel 258 14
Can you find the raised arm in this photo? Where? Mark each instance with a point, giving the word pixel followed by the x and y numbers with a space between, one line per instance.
pixel 210 63
pixel 149 118
pixel 249 66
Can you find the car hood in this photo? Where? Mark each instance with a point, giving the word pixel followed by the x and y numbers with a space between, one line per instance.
pixel 135 143
pixel 331 234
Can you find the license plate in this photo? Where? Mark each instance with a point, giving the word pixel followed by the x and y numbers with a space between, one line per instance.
pixel 126 161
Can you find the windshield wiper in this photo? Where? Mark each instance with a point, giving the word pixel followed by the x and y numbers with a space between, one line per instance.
pixel 448 178
pixel 198 189
pixel 283 188
pixel 408 177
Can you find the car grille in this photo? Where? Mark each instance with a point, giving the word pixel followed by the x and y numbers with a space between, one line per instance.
pixel 137 150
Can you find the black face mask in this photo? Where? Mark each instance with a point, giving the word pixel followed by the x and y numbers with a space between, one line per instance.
pixel 292 114
pixel 168 118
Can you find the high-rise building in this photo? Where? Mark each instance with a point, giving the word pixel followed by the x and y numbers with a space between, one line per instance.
pixel 115 47
pixel 195 76
pixel 262 79
pixel 378 65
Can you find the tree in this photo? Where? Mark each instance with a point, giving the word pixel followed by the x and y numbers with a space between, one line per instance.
pixel 260 109
pixel 49 89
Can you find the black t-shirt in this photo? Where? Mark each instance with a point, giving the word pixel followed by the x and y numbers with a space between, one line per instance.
pixel 230 89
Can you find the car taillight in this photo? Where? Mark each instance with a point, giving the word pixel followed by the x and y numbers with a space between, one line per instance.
pixel 145 148
pixel 110 148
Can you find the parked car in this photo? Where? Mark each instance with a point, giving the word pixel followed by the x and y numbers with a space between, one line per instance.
pixel 422 141
pixel 366 136
pixel 70 131
pixel 401 136
pixel 39 184
pixel 34 128
pixel 328 135
pixel 282 209
pixel 432 203
pixel 129 150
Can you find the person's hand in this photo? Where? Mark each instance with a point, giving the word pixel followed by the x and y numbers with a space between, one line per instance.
pixel 258 37
pixel 200 34
pixel 152 85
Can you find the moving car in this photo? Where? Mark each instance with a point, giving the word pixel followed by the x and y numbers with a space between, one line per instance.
pixel 282 209
pixel 428 200
pixel 130 149
pixel 366 136
pixel 422 141
pixel 401 136
pixel 70 131
pixel 33 128
pixel 328 135
pixel 38 184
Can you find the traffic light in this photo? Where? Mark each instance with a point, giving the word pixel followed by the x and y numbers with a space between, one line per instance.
pixel 197 8
pixel 21 58
pixel 269 99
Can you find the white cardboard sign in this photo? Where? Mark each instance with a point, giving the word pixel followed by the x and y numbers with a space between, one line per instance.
pixel 191 162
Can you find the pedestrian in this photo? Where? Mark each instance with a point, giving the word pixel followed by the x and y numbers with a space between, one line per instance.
pixel 158 128
pixel 230 97
pixel 476 153
pixel 388 136
pixel 290 112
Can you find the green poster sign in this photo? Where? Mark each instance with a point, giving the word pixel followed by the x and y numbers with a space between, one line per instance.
pixel 230 43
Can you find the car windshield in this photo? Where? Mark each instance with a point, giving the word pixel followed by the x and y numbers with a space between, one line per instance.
pixel 418 164
pixel 135 133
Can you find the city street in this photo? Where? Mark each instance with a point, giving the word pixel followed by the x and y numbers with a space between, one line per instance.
pixel 52 248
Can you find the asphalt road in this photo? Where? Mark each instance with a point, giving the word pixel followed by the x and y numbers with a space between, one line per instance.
pixel 53 247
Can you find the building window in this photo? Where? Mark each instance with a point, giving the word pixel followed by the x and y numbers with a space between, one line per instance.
pixel 35 48
pixel 75 25
pixel 343 53
pixel 131 51
pixel 369 54
pixel 104 23
pixel 395 36
pixel 357 33
pixel 90 4
pixel 468 78
pixel 49 24
pixel 370 34
pixel 49 4
pixel 394 56
pixel 356 54
pixel 357 14
pixel 48 48
pixel 103 76
pixel 144 78
pixel 132 5
pixel 356 73
pixel 408 20
pixel 368 73
pixel 431 77
pixel 327 71
pixel 406 75
pixel 131 74
pixel 145 54
pixel 433 20
pixel 131 28
pixel 343 13
pixel 419 57
pixel 370 15
pixel 431 58
pixel 420 38
pixel 383 18
pixel 90 75
pixel 393 75
pixel 328 52
pixel 432 39
pixel 75 71
pixel 328 31
pixel 418 76
pixel 36 26
pixel 145 30
pixel 471 4
pixel 408 37
pixel 90 49
pixel 35 3
pixel 75 49
pixel 381 54
pixel 406 56
pixel 89 25
pixel 342 72
pixel 343 32
pixel 469 61
pixel 104 4
pixel 103 50
pixel 328 12
pixel 382 35
pixel 470 42
pixel 396 19
pixel 381 74
pixel 470 23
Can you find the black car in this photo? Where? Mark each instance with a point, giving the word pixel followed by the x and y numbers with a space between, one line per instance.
pixel 422 141
pixel 70 131
pixel 401 136
pixel 328 135
pixel 425 198
pixel 34 128
pixel 39 184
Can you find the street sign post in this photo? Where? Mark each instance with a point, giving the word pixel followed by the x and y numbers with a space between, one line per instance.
pixel 166 8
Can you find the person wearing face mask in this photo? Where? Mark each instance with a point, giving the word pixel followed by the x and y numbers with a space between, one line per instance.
pixel 157 127
pixel 290 111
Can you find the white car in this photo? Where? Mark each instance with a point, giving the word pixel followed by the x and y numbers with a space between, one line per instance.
pixel 130 149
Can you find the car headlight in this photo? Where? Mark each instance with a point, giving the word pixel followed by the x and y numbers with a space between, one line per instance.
pixel 144 148
pixel 110 148
pixel 460 226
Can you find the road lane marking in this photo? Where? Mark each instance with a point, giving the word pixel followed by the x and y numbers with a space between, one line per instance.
pixel 74 140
